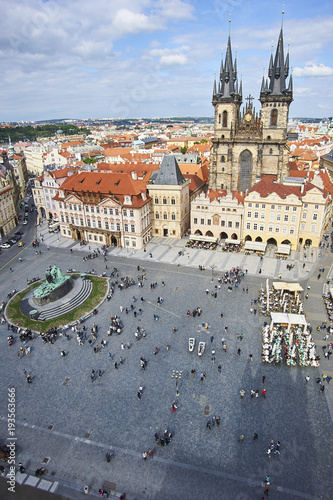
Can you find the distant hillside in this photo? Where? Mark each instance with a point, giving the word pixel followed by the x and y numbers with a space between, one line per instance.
pixel 30 133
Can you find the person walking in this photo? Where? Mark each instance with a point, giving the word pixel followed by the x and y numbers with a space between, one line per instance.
pixel 144 455
pixel 307 378
pixel 263 379
pixel 277 450
pixel 239 351
pixel 250 357
pixel 263 393
pixel 242 393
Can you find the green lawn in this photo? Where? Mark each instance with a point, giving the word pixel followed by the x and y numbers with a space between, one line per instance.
pixel 15 316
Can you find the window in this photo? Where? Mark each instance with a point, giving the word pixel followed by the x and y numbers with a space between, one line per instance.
pixel 284 229
pixel 313 229
pixel 256 205
pixel 132 228
pixel 62 218
pixel 173 201
pixel 220 118
pixel 88 223
pixel 125 212
pixel 279 207
pixel 293 218
pixel 156 200
pixel 157 215
pixel 278 216
pixel 304 215
pixel 94 223
pixel 105 211
pixel 72 220
pixel 262 215
pixel 248 225
pixel 302 227
pixel 287 207
pixel 249 214
pixel 316 207
pixel 89 236
pixel 111 211
pixel 261 227
pixel 263 205
pixel 292 230
pixel 315 217
pixel 222 159
pixel 67 219
pixel 270 228
pixel 222 223
pixel 272 207
pixel 118 226
pixel 87 208
pixel 202 221
pixel 97 210
pixel 99 224
pixel 255 226
pixel 92 210
pixel 294 209
pixel 70 207
pixel 131 213
pixel 79 208
pixel 164 201
pixel 173 217
pixel 95 237
pixel 305 205
pixel 237 224
pixel 65 205
pixel 229 223
pixel 249 205
pixel 277 229
pixel 195 220
pixel 126 228
pixel 286 217
pixel 270 151
pixel 106 225
pixel 274 114
pixel 112 226
pixel 256 215
pixel 116 211
pixel 165 216
pixel 101 238
pixel 60 204
pixel 225 119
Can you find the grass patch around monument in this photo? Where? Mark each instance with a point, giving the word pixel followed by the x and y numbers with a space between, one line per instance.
pixel 15 316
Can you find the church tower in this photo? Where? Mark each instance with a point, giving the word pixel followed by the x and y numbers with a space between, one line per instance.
pixel 275 97
pixel 227 99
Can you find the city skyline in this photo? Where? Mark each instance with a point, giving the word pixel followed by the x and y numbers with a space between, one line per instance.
pixel 149 58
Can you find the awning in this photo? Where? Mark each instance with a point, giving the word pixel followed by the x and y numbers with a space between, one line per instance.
pixel 257 246
pixel 281 318
pixel 232 242
pixel 291 319
pixel 283 249
pixel 198 237
pixel 288 287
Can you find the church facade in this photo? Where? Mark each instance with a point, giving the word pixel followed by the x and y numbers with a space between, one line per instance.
pixel 247 145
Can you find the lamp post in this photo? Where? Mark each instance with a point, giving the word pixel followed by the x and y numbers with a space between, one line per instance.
pixel 177 375
pixel 212 267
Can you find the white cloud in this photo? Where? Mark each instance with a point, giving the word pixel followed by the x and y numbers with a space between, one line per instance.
pixel 176 10
pixel 127 22
pixel 174 59
pixel 313 70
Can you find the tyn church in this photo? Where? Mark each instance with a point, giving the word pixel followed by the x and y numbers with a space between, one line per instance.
pixel 246 144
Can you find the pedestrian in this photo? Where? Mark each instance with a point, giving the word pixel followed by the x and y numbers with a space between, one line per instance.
pixel 263 393
pixel 238 351
pixel 218 420
pixel 241 437
pixel 208 425
pixel 268 452
pixel 174 407
pixel 150 453
pixel 224 347
pixel 211 338
pixel 201 377
pixel 266 490
pixel 255 436
pixel 219 368
pixel 250 357
pixel 193 372
pixel 277 450
pixel 322 389
pixel 263 379
pixel 63 354
pixel 257 393
pixel 99 373
pixel 144 455
pixel 307 378
pixel 116 364
pixel 242 393
pixel 157 437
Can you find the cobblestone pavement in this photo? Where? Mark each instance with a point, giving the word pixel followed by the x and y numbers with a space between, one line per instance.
pixel 70 422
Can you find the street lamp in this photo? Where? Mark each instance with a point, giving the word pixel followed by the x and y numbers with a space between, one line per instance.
pixel 212 267
pixel 177 375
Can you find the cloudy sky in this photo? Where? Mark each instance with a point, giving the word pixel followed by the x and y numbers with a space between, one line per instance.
pixel 154 58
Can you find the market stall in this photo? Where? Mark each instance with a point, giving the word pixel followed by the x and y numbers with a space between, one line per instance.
pixel 257 247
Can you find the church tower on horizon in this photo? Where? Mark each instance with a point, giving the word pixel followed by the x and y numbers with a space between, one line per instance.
pixel 247 145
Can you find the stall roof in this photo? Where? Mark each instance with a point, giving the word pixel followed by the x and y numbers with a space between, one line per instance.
pixel 331 292
pixel 283 249
pixel 280 317
pixel 232 242
pixel 289 287
pixel 291 319
pixel 297 319
pixel 255 245
pixel 198 237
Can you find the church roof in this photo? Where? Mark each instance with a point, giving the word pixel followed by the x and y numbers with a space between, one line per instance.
pixel 169 172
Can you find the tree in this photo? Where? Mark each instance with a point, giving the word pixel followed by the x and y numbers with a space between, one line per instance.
pixel 183 150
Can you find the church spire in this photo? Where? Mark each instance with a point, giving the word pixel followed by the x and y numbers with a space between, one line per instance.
pixel 228 86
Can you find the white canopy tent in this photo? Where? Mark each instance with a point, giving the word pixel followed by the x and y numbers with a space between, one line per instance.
pixel 283 249
pixel 230 241
pixel 288 319
pixel 256 246
pixel 199 237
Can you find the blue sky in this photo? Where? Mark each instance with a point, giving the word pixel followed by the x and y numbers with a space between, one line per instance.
pixel 154 58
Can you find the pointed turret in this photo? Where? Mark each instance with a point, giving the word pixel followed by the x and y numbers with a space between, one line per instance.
pixel 214 88
pixel 228 85
pixel 263 85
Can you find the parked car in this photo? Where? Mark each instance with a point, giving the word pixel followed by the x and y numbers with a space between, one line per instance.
pixel 5 245
pixel 19 233
pixel 21 244
pixel 25 222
